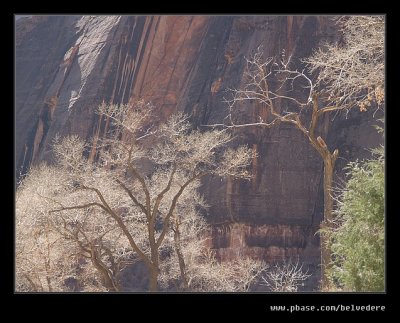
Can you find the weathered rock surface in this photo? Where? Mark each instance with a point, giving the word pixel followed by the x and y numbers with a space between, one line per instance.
pixel 66 66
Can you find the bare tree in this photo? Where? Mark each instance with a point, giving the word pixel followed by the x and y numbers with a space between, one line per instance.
pixel 87 246
pixel 286 277
pixel 347 75
pixel 121 208
pixel 352 72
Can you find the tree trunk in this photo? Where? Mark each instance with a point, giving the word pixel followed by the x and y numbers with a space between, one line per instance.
pixel 108 281
pixel 153 279
pixel 328 178
pixel 329 163
pixel 49 284
pixel 153 268
pixel 181 259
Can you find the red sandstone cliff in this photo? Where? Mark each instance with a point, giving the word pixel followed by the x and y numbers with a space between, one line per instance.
pixel 66 66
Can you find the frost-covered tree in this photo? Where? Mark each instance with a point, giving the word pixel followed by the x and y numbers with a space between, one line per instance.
pixel 47 259
pixel 124 207
pixel 340 76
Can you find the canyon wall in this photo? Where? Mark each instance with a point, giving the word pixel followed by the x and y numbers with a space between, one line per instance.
pixel 67 65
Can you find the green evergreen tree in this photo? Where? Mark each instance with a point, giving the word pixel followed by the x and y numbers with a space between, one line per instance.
pixel 358 235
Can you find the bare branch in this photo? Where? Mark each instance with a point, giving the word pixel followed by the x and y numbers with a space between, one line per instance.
pixel 77 207
pixel 286 277
pixel 133 198
pixel 352 73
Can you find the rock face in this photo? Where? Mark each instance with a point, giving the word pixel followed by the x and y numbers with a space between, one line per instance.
pixel 66 66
